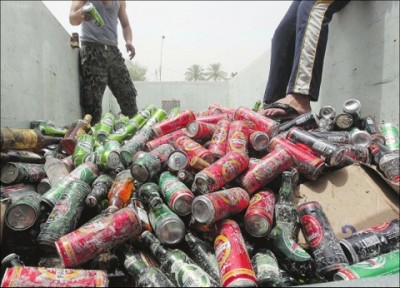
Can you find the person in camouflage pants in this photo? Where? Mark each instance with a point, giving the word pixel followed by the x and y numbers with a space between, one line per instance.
pixel 101 62
pixel 102 66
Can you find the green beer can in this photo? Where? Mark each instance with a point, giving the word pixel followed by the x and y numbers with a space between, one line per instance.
pixel 109 157
pixel 105 127
pixel 148 111
pixel 84 146
pixel 391 134
pixel 168 227
pixel 64 216
pixel 385 264
pixel 86 172
pixel 157 117
pixel 120 122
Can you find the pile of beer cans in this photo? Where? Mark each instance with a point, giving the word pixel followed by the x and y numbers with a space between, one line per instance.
pixel 189 199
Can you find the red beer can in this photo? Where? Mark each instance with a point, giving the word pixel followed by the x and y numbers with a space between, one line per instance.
pixel 219 139
pixel 193 149
pixel 198 130
pixel 221 172
pixel 165 139
pixel 233 260
pixel 98 236
pixel 173 124
pixel 238 137
pixel 309 165
pixel 270 167
pixel 213 119
pixel 212 207
pixel 261 122
pixel 259 216
pixel 24 276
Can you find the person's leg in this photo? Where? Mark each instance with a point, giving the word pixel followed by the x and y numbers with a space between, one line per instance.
pixel 121 84
pixel 313 18
pixel 282 51
pixel 94 81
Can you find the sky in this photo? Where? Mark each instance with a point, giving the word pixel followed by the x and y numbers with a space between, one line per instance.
pixel 232 33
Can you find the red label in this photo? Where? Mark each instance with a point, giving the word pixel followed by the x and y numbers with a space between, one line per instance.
pixel 313 230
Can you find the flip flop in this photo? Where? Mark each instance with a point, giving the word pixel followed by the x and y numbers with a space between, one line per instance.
pixel 290 111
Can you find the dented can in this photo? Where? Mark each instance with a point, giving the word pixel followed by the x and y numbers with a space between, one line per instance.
pixel 233 260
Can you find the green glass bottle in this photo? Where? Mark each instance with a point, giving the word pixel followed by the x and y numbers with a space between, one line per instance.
pixel 177 265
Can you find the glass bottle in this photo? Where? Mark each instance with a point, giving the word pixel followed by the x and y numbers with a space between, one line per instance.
pixel 55 170
pixel 177 265
pixel 79 128
pixel 100 188
pixel 283 235
pixel 120 191
pixel 204 255
pixel 25 139
pixel 144 276
pixel 257 105
pixel 51 130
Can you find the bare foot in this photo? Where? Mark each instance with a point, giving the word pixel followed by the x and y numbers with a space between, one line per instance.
pixel 301 103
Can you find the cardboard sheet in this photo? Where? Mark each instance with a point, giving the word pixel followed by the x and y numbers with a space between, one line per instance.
pixel 353 198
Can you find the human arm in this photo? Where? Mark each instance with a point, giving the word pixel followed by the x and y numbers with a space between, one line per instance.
pixel 126 29
pixel 76 15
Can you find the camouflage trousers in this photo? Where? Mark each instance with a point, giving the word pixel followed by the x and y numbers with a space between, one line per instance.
pixel 101 66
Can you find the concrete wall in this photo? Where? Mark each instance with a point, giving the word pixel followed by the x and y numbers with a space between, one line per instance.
pixel 192 95
pixel 361 61
pixel 39 78
pixel 39 69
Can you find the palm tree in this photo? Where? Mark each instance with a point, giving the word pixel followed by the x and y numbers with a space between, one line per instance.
pixel 215 73
pixel 194 73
